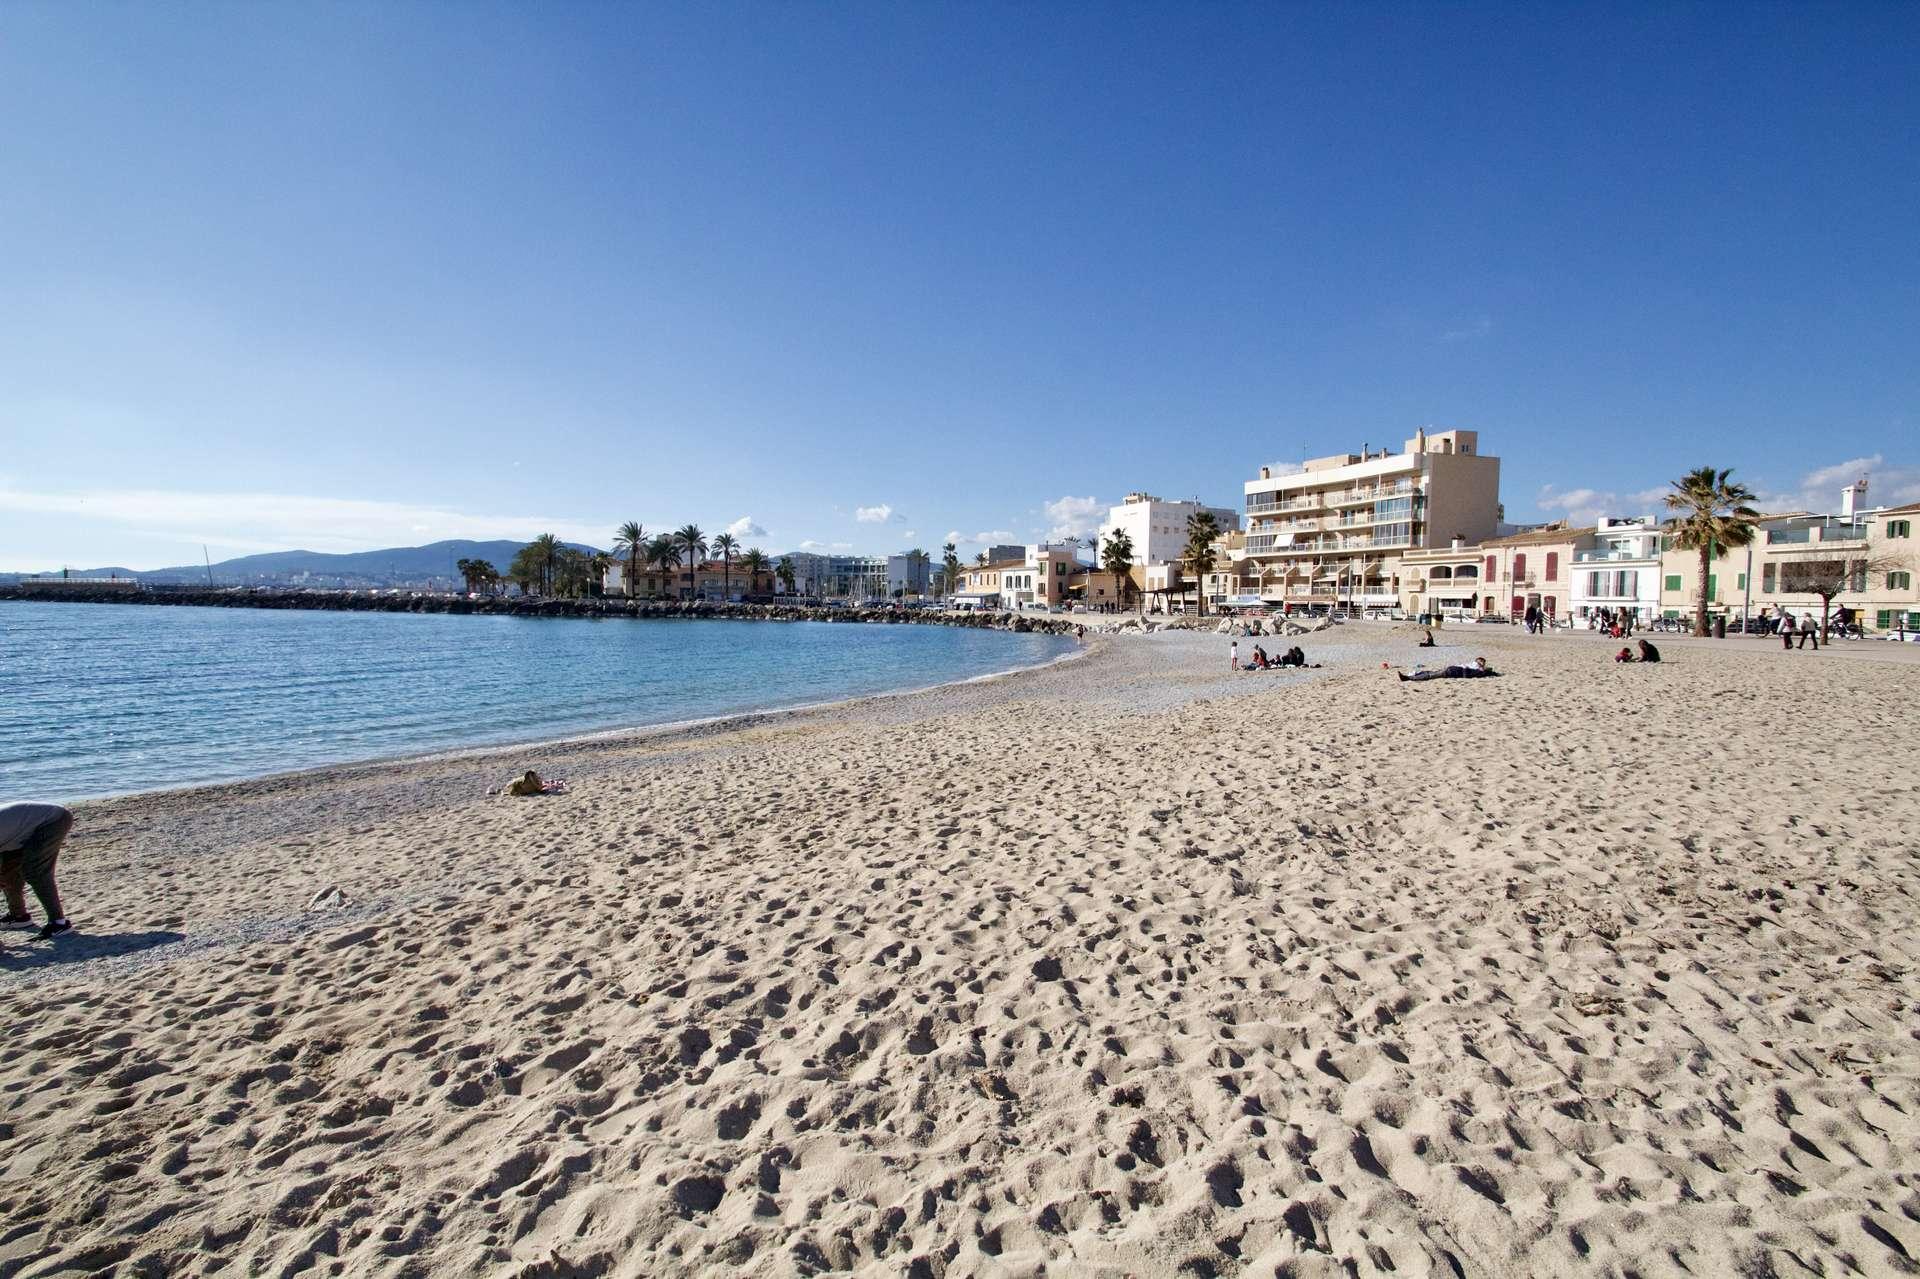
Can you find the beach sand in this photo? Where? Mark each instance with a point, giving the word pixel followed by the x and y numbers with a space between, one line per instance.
pixel 1125 967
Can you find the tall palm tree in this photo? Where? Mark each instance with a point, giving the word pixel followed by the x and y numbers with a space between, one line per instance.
pixel 917 561
pixel 599 562
pixel 664 555
pixel 1117 558
pixel 724 545
pixel 481 575
pixel 692 543
pixel 754 561
pixel 950 561
pixel 1202 531
pixel 465 568
pixel 784 571
pixel 1714 515
pixel 546 550
pixel 632 539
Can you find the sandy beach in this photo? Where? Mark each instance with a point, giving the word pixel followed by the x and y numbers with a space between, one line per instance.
pixel 1127 966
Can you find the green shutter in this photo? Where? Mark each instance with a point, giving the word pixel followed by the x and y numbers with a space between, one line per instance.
pixel 1741 585
pixel 1713 582
pixel 1673 581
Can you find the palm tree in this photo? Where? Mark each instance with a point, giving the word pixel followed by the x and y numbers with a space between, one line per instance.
pixel 481 575
pixel 1715 516
pixel 1202 531
pixel 980 560
pixel 754 561
pixel 632 539
pixel 950 561
pixel 1117 558
pixel 600 562
pixel 664 555
pixel 546 549
pixel 692 543
pixel 784 571
pixel 528 570
pixel 917 561
pixel 724 545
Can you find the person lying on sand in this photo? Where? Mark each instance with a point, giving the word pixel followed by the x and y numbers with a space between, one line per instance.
pixel 1479 670
pixel 30 839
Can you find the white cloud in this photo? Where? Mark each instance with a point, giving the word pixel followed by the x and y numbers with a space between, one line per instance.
pixel 1819 489
pixel 873 514
pixel 911 534
pixel 955 536
pixel 1073 517
pixel 993 535
pixel 825 548
pixel 248 522
pixel 1478 327
pixel 1585 506
pixel 744 528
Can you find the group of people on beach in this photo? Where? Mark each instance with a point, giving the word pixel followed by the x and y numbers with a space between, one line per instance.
pixel 1295 656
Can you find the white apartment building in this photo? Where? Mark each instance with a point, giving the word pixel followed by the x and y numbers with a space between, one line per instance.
pixel 1620 573
pixel 857 577
pixel 1040 581
pixel 1332 532
pixel 1157 528
pixel 908 576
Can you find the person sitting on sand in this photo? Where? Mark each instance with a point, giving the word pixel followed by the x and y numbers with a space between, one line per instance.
pixel 1259 660
pixel 1624 655
pixel 1648 653
pixel 31 836
pixel 1479 670
pixel 1428 641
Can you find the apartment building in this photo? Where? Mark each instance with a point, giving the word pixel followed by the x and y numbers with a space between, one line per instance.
pixel 1158 528
pixel 853 577
pixel 713 580
pixel 1872 556
pixel 1334 531
pixel 1619 573
pixel 908 575
pixel 981 585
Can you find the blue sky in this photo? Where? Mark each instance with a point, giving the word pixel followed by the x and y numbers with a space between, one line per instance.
pixel 344 276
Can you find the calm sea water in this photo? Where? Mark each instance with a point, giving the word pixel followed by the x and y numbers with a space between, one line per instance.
pixel 99 699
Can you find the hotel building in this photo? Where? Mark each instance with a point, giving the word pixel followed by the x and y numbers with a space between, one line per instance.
pixel 1620 571
pixel 1334 532
pixel 1158 528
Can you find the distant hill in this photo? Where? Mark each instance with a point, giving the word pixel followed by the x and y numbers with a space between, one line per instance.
pixel 398 564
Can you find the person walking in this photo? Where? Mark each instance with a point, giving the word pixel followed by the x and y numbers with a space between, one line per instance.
pixel 1786 630
pixel 1809 630
pixel 31 836
pixel 1233 656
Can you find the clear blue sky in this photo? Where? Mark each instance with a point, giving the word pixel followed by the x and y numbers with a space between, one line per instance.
pixel 343 276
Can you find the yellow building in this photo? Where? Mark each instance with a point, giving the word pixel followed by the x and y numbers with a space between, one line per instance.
pixel 1870 556
pixel 1333 532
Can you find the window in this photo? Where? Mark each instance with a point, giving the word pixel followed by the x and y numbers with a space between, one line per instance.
pixel 1741 584
pixel 1899 581
pixel 1766 579
pixel 1899 528
pixel 1673 582
pixel 1520 566
pixel 1492 567
pixel 1553 566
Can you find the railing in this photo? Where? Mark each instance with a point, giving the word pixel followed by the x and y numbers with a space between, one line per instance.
pixel 1291 504
pixel 1609 557
pixel 1827 532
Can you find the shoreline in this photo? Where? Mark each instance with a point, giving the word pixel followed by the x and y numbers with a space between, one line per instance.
pixel 631 734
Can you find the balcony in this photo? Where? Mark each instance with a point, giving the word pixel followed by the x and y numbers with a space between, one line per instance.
pixel 1612 557
pixel 1312 503
pixel 1849 534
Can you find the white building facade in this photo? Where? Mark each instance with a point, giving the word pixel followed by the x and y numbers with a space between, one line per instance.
pixel 1621 573
pixel 1157 528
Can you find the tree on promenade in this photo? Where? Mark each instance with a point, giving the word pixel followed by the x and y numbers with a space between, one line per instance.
pixel 785 573
pixel 528 570
pixel 919 559
pixel 950 562
pixel 632 539
pixel 1202 531
pixel 1117 558
pixel 1831 577
pixel 754 561
pixel 664 554
pixel 477 574
pixel 724 545
pixel 692 544
pixel 1714 516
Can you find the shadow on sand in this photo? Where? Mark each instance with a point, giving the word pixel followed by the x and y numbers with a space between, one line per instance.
pixel 19 954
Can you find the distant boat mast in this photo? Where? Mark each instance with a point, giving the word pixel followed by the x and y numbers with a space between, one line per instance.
pixel 209 562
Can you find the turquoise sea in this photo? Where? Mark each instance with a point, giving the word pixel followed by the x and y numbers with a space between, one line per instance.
pixel 100 699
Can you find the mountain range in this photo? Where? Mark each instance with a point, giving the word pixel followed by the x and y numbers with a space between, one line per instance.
pixel 397 564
